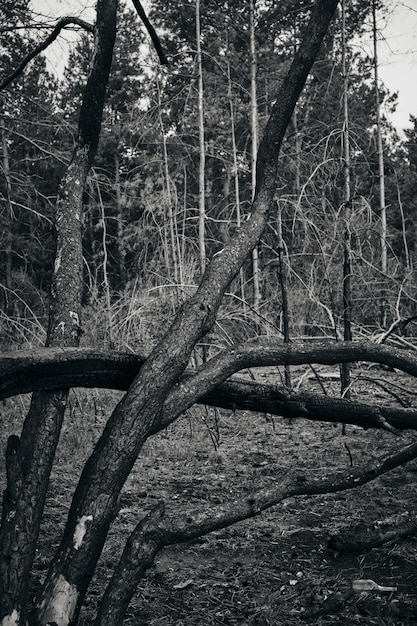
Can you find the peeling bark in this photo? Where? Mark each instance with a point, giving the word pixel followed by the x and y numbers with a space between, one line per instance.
pixel 61 610
pixel 13 619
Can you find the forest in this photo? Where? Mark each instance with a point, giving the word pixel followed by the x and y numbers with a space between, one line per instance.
pixel 207 318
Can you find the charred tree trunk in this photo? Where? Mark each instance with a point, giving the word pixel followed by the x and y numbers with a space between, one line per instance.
pixel 56 368
pixel 29 460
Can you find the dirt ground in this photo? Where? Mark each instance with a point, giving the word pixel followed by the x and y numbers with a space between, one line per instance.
pixel 276 569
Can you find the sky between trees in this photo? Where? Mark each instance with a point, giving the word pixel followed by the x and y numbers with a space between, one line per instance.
pixel 397 48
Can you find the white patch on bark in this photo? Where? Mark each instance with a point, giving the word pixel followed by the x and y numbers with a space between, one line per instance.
pixel 61 604
pixel 74 317
pixel 57 264
pixel 80 530
pixel 12 619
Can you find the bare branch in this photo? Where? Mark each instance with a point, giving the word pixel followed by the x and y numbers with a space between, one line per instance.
pixel 155 39
pixel 62 23
pixel 152 533
pixel 267 353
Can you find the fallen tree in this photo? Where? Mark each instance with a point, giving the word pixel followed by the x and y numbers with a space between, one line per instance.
pixel 162 527
pixel 59 368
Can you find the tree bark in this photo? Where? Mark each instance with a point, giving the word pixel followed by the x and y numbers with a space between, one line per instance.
pixel 30 459
pixel 347 256
pixel 139 412
pixel 283 283
pixel 202 147
pixel 254 149
pixel 354 540
pixel 8 223
pixel 235 176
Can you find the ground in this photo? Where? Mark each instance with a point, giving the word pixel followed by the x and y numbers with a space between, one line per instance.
pixel 276 569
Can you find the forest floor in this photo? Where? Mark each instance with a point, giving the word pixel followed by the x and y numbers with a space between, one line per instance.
pixel 276 569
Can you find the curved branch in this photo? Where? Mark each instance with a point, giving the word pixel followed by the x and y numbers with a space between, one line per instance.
pixel 62 23
pixel 153 533
pixel 24 371
pixel 57 368
pixel 263 353
pixel 54 368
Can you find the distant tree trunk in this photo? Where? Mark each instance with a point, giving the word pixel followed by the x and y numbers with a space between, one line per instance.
pixel 297 142
pixel 105 265
pixel 168 197
pixel 347 263
pixel 297 137
pixel 9 218
pixel 235 176
pixel 382 207
pixel 408 261
pixel 29 459
pixel 202 148
pixel 120 244
pixel 283 281
pixel 254 147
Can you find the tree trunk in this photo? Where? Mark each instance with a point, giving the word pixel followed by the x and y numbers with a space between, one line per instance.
pixel 382 207
pixel 254 149
pixel 120 244
pixel 168 199
pixel 139 413
pixel 8 229
pixel 30 459
pixel 202 147
pixel 283 282
pixel 235 177
pixel 347 262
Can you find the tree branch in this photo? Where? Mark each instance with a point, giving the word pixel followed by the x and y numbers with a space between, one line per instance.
pixel 24 371
pixel 62 23
pixel 155 39
pixel 152 534
pixel 265 353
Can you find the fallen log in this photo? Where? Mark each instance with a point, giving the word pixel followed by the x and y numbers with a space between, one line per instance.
pixel 355 540
pixel 25 371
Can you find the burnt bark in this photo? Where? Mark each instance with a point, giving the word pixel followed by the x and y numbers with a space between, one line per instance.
pixel 355 540
pixel 61 368
pixel 30 464
pixel 139 412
